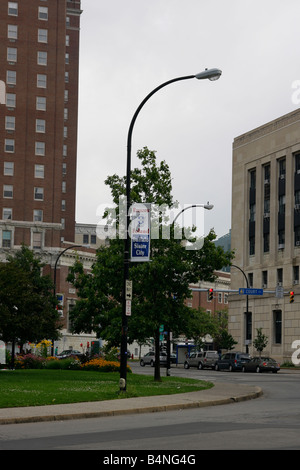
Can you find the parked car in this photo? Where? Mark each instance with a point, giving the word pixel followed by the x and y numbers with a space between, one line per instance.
pixel 173 358
pixel 232 361
pixel 149 359
pixel 202 359
pixel 261 364
pixel 69 353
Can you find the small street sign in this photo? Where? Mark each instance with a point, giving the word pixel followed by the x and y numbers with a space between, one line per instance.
pixel 128 308
pixel 279 292
pixel 128 290
pixel 243 291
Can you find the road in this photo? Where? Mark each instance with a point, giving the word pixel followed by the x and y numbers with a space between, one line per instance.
pixel 269 422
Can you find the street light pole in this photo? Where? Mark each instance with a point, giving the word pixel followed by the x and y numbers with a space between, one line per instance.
pixel 247 284
pixel 205 206
pixel 211 74
pixel 54 278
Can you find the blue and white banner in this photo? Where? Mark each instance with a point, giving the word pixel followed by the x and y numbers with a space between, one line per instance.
pixel 140 232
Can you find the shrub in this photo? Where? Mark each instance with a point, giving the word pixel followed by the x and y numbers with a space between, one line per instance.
pixel 29 361
pixel 99 364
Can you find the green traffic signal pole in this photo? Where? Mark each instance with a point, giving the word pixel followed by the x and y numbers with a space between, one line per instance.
pixel 211 74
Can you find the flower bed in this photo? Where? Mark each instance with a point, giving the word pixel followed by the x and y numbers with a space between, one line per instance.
pixel 31 361
pixel 99 364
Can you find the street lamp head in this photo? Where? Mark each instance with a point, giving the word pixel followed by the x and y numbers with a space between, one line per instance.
pixel 208 206
pixel 211 74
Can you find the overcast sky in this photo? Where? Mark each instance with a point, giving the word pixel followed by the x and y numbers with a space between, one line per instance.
pixel 129 47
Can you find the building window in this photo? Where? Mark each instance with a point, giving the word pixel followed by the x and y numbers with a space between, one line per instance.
pixel 282 168
pixel 297 236
pixel 40 125
pixel 42 58
pixel 8 191
pixel 219 297
pixel 13 8
pixel 43 35
pixel 8 169
pixel 37 240
pixel 295 275
pixel 39 171
pixel 11 100
pixel 67 40
pixel 297 163
pixel 12 31
pixel 64 169
pixel 10 123
pixel 12 54
pixel 11 77
pixel 281 202
pixel 63 223
pixel 41 80
pixel 7 213
pixel 63 205
pixel 281 239
pixel 41 102
pixel 65 150
pixel 250 279
pixel 43 13
pixel 38 215
pixel 264 279
pixel 252 246
pixel 38 194
pixel 85 239
pixel 279 277
pixel 40 148
pixel 9 145
pixel 94 240
pixel 266 242
pixel 277 320
pixel 63 187
pixel 6 238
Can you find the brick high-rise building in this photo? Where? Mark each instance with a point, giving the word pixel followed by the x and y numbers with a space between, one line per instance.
pixel 39 56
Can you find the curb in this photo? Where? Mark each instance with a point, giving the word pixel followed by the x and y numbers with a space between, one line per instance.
pixel 180 405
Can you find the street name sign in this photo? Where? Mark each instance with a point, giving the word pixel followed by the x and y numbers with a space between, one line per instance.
pixel 243 291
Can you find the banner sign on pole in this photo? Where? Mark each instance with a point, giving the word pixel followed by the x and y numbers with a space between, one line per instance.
pixel 140 232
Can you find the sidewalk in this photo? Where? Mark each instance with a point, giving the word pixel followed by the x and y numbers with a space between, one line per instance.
pixel 218 395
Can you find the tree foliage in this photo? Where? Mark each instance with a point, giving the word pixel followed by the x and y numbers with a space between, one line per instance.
pixel 160 287
pixel 27 304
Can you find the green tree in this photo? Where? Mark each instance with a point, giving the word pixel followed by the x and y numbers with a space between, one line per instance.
pixel 261 341
pixel 160 287
pixel 222 339
pixel 27 303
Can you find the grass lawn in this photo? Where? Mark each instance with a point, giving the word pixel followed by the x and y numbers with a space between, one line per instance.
pixel 45 387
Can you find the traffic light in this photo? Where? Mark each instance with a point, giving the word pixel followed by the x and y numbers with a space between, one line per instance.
pixel 291 296
pixel 210 294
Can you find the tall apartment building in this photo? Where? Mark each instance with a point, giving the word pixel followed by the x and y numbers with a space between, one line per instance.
pixel 265 235
pixel 39 55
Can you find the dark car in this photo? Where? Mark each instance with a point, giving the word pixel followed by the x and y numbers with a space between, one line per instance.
pixel 69 353
pixel 232 361
pixel 261 364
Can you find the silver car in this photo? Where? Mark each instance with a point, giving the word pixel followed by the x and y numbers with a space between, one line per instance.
pixel 202 360
pixel 149 359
